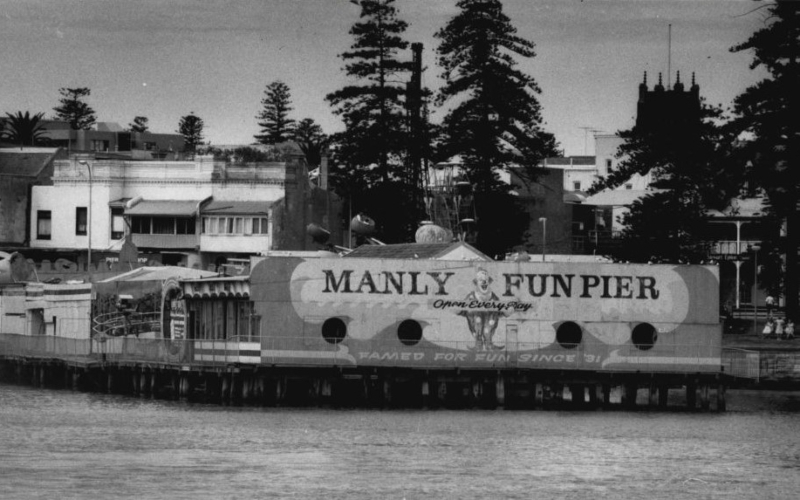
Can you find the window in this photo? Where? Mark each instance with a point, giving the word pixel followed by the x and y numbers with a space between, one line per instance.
pixel 229 225
pixel 208 224
pixel 576 185
pixel 184 226
pixel 609 164
pixel 140 225
pixel 98 145
pixel 81 221
pixel 43 224
pixel 163 225
pixel 628 186
pixel 264 228
pixel 117 223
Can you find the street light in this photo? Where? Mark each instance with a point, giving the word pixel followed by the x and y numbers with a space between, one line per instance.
pixel 755 249
pixel 89 228
pixel 543 220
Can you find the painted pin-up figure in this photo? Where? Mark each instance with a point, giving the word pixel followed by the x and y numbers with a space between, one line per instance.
pixel 482 323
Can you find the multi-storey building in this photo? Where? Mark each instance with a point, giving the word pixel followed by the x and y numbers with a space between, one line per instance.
pixel 112 139
pixel 193 213
pixel 20 169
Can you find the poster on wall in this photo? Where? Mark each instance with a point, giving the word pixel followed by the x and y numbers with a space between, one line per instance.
pixel 177 323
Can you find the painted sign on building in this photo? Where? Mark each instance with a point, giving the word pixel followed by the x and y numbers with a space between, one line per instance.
pixel 433 313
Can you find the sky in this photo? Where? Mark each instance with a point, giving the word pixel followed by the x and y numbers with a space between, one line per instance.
pixel 166 58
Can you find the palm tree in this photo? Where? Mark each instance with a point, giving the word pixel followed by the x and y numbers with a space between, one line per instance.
pixel 24 129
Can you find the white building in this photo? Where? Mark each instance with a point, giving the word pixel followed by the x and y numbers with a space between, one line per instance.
pixel 192 213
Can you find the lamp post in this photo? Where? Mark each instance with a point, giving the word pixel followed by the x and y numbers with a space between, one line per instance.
pixel 755 249
pixel 543 220
pixel 89 222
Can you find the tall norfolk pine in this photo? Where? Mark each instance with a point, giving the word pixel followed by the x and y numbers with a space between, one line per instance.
pixel 495 123
pixel 370 167
pixel 373 111
pixel 276 126
pixel 768 115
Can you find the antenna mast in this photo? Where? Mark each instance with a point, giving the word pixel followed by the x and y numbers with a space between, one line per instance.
pixel 669 57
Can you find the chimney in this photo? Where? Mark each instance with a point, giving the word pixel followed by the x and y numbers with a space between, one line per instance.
pixel 323 172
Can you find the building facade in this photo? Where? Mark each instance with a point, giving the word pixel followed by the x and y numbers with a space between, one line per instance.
pixel 20 170
pixel 196 213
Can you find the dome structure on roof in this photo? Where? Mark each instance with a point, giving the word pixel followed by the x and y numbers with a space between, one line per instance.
pixel 429 232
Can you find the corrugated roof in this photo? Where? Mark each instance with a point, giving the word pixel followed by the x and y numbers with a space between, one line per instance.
pixel 236 207
pixel 424 251
pixel 160 273
pixel 742 208
pixel 118 203
pixel 618 197
pixel 163 207
pixel 27 162
pixel 570 160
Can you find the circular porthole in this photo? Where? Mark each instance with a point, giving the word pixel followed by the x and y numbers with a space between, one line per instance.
pixel 569 335
pixel 644 336
pixel 334 330
pixel 409 332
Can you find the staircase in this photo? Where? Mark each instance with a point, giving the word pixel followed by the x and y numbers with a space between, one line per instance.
pixel 747 311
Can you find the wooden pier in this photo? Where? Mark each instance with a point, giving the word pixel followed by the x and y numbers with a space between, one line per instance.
pixel 374 387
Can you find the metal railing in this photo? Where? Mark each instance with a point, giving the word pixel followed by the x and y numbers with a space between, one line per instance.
pixel 121 324
pixel 43 346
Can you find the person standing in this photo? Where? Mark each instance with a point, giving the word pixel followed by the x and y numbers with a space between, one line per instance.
pixel 779 324
pixel 770 302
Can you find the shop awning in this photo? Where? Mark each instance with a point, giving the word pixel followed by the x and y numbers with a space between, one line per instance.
pixel 218 207
pixel 164 207
pixel 618 197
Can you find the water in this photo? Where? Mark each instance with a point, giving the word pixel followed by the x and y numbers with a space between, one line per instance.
pixel 62 444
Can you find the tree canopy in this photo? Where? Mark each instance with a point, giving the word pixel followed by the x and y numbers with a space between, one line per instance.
pixel 684 146
pixel 139 124
pixel 276 126
pixel 24 129
pixel 370 154
pixel 191 128
pixel 495 123
pixel 373 110
pixel 766 118
pixel 311 140
pixel 74 110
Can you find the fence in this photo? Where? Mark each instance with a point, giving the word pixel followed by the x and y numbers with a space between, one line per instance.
pixel 44 346
pixel 741 363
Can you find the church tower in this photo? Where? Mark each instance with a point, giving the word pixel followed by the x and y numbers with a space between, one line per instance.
pixel 670 109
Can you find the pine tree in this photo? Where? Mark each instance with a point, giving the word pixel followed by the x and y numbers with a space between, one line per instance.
pixel 309 137
pixel 687 155
pixel 370 155
pixel 139 124
pixel 276 126
pixel 74 110
pixel 373 111
pixel 191 128
pixel 496 123
pixel 768 116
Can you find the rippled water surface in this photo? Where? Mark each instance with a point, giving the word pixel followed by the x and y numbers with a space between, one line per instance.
pixel 61 444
